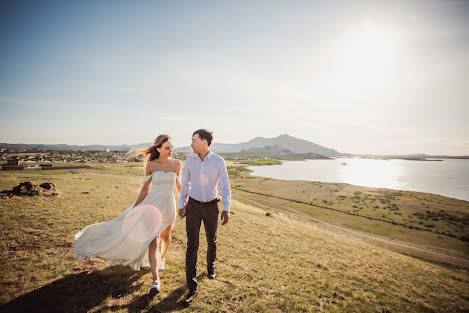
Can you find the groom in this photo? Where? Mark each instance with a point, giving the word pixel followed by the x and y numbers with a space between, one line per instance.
pixel 203 171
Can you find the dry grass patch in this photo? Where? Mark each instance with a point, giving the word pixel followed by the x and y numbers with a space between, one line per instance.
pixel 265 264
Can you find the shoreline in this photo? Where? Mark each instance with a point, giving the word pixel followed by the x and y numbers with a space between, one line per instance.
pixel 332 182
pixel 361 186
pixel 426 220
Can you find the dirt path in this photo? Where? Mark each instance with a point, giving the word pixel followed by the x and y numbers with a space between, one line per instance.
pixel 441 256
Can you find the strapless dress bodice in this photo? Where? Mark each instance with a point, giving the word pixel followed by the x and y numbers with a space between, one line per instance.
pixel 162 181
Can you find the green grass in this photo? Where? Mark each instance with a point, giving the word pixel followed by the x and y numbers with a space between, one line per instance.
pixel 262 162
pixel 279 263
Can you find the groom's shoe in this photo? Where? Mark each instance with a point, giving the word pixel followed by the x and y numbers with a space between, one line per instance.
pixel 189 296
pixel 211 273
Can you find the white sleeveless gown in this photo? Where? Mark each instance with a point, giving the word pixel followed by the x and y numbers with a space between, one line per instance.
pixel 125 239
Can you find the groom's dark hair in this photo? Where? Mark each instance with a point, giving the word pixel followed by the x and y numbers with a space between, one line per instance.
pixel 204 134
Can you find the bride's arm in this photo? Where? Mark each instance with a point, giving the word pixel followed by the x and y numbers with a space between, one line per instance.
pixel 145 189
pixel 178 173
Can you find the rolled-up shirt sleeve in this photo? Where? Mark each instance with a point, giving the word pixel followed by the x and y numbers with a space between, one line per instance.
pixel 185 184
pixel 225 189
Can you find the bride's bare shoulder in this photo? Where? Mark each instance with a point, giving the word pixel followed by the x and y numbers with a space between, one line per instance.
pixel 177 163
pixel 148 168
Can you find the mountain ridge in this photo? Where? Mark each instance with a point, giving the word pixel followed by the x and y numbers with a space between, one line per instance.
pixel 284 142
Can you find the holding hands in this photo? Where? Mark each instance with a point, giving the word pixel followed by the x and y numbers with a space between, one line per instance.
pixel 182 212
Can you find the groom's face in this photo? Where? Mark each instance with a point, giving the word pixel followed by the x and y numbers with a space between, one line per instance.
pixel 197 143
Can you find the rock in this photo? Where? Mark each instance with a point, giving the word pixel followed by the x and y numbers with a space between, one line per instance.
pixel 48 186
pixel 268 214
pixel 27 189
pixel 31 189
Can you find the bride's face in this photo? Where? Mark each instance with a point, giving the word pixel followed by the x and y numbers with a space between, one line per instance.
pixel 166 149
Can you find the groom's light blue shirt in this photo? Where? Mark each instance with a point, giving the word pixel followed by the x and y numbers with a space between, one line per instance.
pixel 200 179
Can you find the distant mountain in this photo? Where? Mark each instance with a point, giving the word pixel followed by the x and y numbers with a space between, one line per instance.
pixel 286 142
pixel 266 150
pixel 283 144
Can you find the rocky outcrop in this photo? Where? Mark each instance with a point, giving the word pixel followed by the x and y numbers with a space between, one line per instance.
pixel 31 189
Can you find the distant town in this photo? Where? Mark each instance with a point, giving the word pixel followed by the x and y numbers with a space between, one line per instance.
pixel 282 147
pixel 19 159
pixel 25 156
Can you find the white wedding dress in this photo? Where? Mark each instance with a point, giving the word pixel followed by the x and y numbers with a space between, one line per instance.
pixel 125 239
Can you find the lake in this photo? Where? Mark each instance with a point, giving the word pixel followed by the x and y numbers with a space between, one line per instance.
pixel 448 177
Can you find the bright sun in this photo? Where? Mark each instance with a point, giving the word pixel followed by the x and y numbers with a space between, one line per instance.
pixel 367 54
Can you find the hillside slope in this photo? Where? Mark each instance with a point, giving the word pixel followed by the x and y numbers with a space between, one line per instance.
pixel 277 263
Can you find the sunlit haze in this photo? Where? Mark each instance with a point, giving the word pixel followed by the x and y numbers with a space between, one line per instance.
pixel 381 77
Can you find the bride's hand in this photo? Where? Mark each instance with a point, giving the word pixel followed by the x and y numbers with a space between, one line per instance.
pixel 182 213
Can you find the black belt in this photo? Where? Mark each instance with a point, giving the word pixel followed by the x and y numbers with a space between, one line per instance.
pixel 200 203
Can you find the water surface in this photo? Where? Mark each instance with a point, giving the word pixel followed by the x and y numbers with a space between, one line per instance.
pixel 448 177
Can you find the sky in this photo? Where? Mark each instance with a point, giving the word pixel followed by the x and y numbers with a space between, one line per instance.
pixel 380 77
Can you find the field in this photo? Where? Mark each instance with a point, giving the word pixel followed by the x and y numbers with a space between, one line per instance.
pixel 277 263
pixel 428 220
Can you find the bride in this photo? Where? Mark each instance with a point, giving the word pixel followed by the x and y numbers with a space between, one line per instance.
pixel 148 222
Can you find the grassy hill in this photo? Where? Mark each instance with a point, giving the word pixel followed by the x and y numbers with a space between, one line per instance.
pixel 277 263
pixel 424 219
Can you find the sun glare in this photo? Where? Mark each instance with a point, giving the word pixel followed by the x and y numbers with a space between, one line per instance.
pixel 368 54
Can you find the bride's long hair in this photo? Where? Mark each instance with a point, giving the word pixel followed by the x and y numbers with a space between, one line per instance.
pixel 150 154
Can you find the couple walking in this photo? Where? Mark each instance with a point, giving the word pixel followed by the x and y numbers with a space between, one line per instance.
pixel 141 235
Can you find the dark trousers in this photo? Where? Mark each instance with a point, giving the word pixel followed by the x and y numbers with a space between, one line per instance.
pixel 195 214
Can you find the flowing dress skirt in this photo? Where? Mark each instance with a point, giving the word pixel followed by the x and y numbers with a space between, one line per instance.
pixel 125 239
